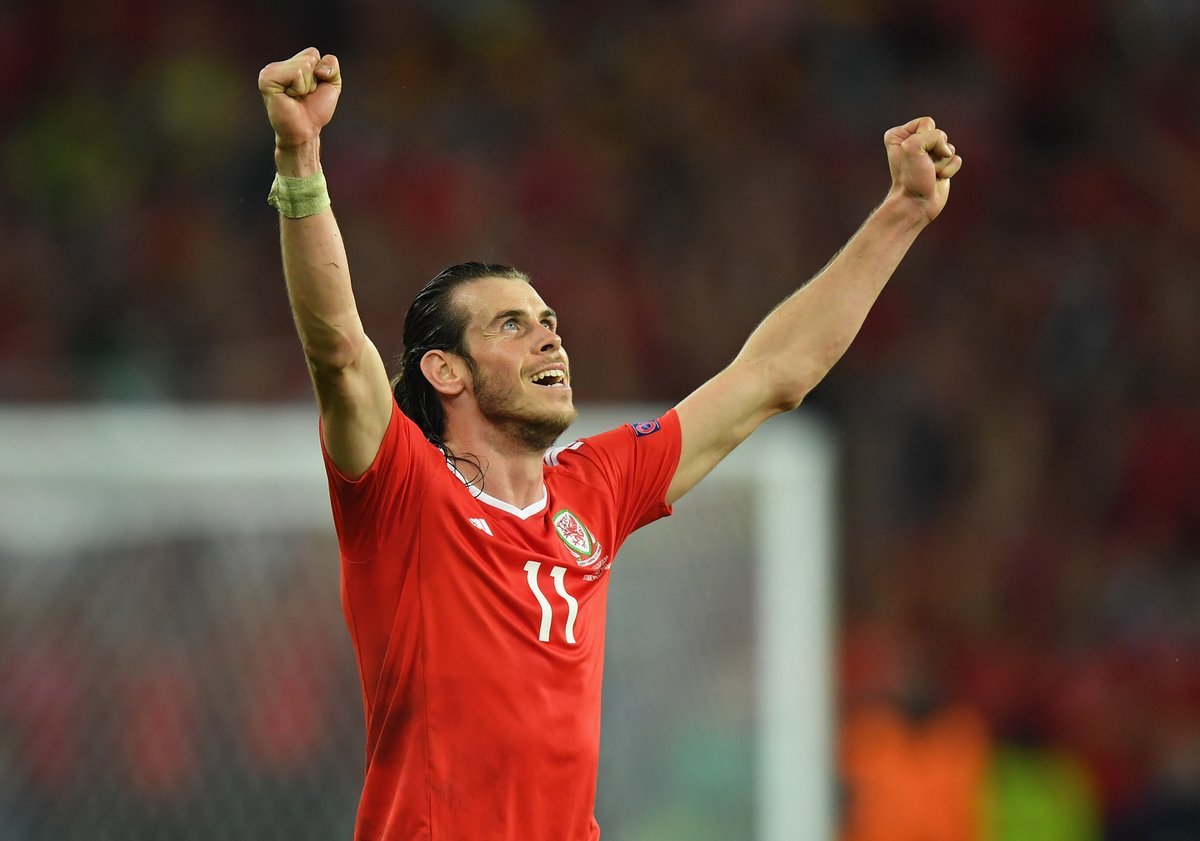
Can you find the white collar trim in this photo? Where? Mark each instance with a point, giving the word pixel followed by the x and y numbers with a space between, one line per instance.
pixel 523 513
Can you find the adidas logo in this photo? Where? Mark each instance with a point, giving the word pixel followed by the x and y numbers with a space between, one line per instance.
pixel 481 524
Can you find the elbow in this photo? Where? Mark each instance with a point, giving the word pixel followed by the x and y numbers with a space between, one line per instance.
pixel 789 396
pixel 786 384
pixel 333 350
pixel 789 402
pixel 787 375
pixel 805 373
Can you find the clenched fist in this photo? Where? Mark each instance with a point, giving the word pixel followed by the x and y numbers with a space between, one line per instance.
pixel 301 94
pixel 922 161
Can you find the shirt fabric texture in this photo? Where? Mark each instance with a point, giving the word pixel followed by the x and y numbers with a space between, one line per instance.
pixel 479 631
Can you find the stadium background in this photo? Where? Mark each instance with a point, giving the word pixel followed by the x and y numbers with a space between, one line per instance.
pixel 1020 420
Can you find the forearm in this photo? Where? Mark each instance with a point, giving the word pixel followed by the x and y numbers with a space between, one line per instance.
pixel 318 278
pixel 802 338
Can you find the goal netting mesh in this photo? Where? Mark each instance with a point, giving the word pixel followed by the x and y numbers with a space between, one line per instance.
pixel 174 664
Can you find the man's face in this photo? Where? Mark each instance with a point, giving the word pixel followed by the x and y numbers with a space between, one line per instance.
pixel 522 378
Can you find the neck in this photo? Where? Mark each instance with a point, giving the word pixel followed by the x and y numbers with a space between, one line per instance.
pixel 512 471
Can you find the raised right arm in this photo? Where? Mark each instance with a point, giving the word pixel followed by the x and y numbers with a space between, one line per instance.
pixel 351 382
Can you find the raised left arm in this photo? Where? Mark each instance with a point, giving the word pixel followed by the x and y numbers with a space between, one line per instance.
pixel 796 345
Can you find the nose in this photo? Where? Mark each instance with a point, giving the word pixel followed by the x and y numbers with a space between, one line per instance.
pixel 548 341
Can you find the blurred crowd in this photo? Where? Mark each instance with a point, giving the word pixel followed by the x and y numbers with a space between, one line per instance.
pixel 1020 419
pixel 185 687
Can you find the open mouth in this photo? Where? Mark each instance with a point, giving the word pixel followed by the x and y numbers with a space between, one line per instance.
pixel 550 379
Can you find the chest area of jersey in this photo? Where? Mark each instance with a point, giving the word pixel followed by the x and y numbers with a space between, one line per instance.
pixel 574 536
pixel 545 573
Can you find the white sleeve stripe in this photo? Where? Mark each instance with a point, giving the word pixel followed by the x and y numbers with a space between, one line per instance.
pixel 551 457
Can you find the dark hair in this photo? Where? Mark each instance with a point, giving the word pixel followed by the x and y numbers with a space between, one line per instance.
pixel 434 322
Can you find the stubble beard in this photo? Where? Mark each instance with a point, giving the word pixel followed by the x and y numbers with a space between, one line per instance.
pixel 534 430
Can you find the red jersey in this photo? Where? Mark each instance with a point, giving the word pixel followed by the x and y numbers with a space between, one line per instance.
pixel 479 630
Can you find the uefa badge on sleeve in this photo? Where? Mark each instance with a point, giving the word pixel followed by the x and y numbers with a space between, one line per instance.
pixel 645 428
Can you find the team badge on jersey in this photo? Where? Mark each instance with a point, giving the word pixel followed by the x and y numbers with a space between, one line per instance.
pixel 576 537
pixel 645 428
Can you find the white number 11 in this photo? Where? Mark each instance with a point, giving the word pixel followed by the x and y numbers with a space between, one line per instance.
pixel 558 574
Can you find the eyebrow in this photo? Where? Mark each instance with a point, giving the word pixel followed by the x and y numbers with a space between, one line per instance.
pixel 507 314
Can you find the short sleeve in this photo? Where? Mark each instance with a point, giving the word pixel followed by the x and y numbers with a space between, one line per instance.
pixel 638 462
pixel 364 507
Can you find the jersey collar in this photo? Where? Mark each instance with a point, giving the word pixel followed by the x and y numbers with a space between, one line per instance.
pixel 522 513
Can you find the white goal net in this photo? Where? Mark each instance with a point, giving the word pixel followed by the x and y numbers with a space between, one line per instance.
pixel 173 662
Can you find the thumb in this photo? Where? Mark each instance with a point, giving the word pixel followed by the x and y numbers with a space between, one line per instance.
pixel 328 70
pixel 896 136
pixel 327 80
pixel 298 70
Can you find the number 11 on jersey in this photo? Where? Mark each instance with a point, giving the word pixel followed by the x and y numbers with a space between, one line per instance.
pixel 559 575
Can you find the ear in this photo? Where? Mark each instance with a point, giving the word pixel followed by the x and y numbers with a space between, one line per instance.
pixel 445 372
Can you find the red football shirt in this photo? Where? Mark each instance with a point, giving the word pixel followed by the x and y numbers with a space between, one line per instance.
pixel 479 630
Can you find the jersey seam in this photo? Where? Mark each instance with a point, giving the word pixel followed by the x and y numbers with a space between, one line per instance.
pixel 424 681
pixel 369 705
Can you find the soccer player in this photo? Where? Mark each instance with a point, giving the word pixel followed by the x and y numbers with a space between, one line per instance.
pixel 475 554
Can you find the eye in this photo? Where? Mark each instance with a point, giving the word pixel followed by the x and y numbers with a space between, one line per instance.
pixel 510 324
pixel 550 325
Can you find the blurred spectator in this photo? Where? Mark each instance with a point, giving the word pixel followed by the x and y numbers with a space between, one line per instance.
pixel 913 762
pixel 1021 417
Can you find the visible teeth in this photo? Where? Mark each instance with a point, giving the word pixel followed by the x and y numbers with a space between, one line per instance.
pixel 552 377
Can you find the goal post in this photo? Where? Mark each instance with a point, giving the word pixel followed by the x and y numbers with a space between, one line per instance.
pixel 165 567
pixel 761 531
